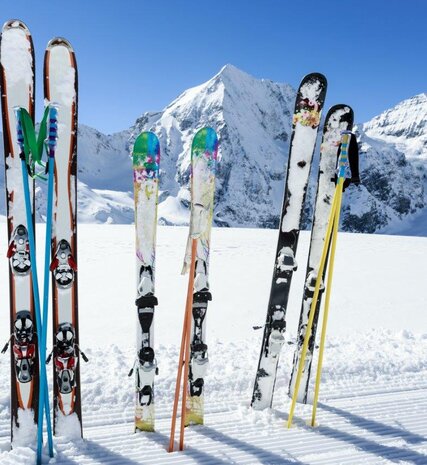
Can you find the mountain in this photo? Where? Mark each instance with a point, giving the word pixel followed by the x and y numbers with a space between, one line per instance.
pixel 404 125
pixel 253 120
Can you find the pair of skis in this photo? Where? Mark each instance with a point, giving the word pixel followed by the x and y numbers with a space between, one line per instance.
pixel 28 329
pixel 306 120
pixel 146 163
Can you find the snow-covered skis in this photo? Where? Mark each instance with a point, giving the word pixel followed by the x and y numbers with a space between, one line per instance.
pixel 17 89
pixel 339 118
pixel 308 106
pixel 203 162
pixel 146 159
pixel 60 85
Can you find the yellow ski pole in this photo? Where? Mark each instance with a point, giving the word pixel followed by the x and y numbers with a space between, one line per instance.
pixel 327 300
pixel 313 305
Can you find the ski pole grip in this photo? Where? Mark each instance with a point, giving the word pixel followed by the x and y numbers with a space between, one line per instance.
pixel 19 132
pixel 52 129
pixel 343 158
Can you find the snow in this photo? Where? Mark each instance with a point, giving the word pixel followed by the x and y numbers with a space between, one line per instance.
pixel 302 153
pixel 373 398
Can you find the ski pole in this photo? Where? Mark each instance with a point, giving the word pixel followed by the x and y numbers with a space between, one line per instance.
pixel 51 144
pixel 327 300
pixel 313 305
pixel 178 385
pixel 184 355
pixel 343 162
pixel 189 306
pixel 43 405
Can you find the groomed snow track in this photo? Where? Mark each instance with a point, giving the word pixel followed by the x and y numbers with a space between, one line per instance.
pixel 373 398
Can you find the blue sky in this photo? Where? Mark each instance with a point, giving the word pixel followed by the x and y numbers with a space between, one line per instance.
pixel 137 55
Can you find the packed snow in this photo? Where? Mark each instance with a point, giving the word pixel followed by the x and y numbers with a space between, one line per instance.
pixel 373 398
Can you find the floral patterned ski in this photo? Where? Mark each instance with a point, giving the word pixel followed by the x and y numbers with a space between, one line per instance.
pixel 203 161
pixel 146 159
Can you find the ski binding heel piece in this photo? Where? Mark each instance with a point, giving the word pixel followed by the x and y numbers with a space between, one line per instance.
pixel 24 349
pixel 199 365
pixel 146 369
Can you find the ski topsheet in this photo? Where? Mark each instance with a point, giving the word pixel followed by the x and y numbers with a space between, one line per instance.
pixel 338 119
pixel 306 119
pixel 60 85
pixel 146 159
pixel 17 89
pixel 203 161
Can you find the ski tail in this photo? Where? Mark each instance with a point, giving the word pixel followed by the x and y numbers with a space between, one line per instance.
pixel 305 124
pixel 17 90
pixel 60 88
pixel 204 156
pixel 339 118
pixel 146 161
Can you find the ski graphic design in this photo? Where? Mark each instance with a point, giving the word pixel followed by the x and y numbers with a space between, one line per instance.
pixel 146 159
pixel 204 153
pixel 306 119
pixel 60 86
pixel 338 119
pixel 17 90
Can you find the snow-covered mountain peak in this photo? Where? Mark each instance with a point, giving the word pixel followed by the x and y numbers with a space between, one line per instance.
pixel 404 125
pixel 253 120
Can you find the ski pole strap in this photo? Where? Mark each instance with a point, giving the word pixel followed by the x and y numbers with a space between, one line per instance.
pixel 19 133
pixel 353 158
pixel 31 146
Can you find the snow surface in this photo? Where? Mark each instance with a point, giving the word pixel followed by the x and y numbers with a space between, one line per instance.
pixel 373 400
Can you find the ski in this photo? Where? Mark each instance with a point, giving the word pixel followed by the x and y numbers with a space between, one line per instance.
pixel 339 118
pixel 203 161
pixel 60 88
pixel 306 119
pixel 17 90
pixel 146 159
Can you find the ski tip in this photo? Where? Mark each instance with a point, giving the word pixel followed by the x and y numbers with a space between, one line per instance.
pixel 59 42
pixel 314 77
pixel 347 114
pixel 146 151
pixel 205 140
pixel 15 24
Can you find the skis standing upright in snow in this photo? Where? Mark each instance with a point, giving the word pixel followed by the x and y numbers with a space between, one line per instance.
pixel 338 119
pixel 60 86
pixel 203 161
pixel 146 159
pixel 17 90
pixel 308 106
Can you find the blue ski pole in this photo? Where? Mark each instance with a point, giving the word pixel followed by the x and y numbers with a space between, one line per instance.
pixel 51 146
pixel 43 391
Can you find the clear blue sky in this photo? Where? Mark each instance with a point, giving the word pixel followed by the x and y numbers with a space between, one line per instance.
pixel 137 55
